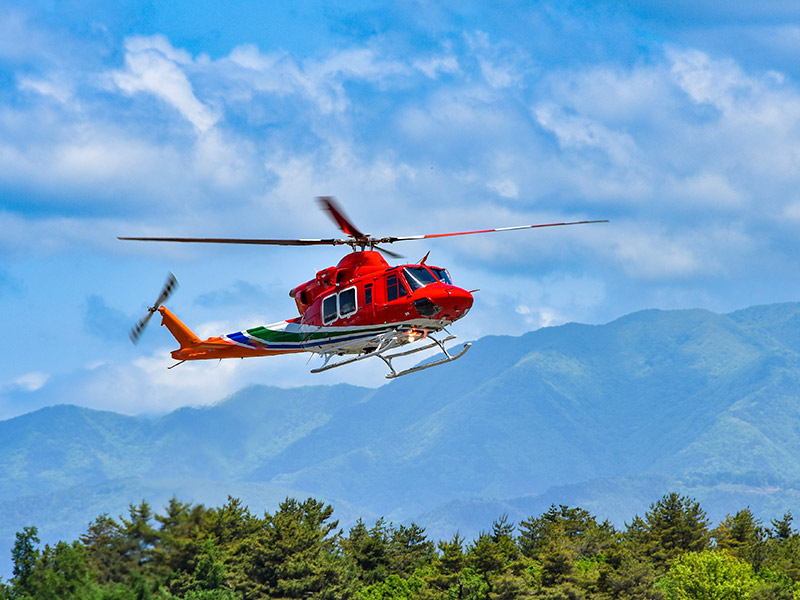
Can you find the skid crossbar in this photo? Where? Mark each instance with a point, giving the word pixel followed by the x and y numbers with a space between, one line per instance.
pixel 388 342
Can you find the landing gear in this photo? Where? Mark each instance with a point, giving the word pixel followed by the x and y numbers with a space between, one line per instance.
pixel 389 341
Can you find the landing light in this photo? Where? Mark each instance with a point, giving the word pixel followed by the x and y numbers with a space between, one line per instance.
pixel 416 334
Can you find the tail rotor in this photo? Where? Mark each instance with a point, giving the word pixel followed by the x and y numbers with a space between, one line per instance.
pixel 166 292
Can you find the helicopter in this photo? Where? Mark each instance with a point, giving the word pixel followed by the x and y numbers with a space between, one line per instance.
pixel 361 308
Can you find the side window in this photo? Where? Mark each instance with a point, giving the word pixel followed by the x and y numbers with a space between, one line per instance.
pixel 329 309
pixel 347 302
pixel 394 288
pixel 368 294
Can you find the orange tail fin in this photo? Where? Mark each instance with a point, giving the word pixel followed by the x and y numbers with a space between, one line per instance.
pixel 185 336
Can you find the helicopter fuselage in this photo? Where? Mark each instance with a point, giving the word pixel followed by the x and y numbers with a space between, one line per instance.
pixel 344 310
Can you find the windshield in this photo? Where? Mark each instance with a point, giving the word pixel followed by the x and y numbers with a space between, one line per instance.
pixel 418 277
pixel 443 275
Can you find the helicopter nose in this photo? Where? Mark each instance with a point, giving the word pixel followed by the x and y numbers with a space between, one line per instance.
pixel 458 304
pixel 446 303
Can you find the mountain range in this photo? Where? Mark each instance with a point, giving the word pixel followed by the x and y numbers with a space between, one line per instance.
pixel 607 417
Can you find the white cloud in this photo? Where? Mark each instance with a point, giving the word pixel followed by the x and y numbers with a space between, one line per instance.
pixel 707 81
pixel 501 65
pixel 539 317
pixel 757 126
pixel 31 381
pixel 55 87
pixel 656 257
pixel 161 44
pixel 505 187
pixel 702 189
pixel 434 65
pixel 319 81
pixel 154 67
pixel 651 252
pixel 792 210
pixel 579 132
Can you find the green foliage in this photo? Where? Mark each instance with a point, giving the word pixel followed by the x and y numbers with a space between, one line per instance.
pixel 491 551
pixel 61 574
pixel 107 550
pixel 25 556
pixel 708 575
pixel 290 554
pixel 410 549
pixel 673 525
pixel 227 553
pixel 625 575
pixel 140 535
pixel 574 526
pixel 783 556
pixel 368 551
pixel 772 585
pixel 742 535
pixel 782 528
pixel 393 587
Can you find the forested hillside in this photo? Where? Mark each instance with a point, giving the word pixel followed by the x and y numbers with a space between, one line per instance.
pixel 600 416
pixel 299 551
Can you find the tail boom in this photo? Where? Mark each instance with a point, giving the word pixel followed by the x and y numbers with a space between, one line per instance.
pixel 193 348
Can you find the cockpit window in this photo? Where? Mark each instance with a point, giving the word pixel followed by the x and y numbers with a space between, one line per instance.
pixel 418 277
pixel 443 275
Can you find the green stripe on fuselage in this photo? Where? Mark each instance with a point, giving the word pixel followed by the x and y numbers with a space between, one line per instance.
pixel 273 336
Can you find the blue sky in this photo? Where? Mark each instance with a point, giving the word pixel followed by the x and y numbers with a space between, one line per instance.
pixel 678 121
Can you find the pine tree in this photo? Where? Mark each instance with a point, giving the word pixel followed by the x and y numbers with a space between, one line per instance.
pixel 409 549
pixel 742 536
pixel 24 555
pixel 782 528
pixel 61 573
pixel 140 535
pixel 673 525
pixel 291 554
pixel 447 565
pixel 577 526
pixel 107 550
pixel 181 534
pixel 369 551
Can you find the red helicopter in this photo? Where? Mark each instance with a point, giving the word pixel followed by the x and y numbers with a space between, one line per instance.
pixel 361 308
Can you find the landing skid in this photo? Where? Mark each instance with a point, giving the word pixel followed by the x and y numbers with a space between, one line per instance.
pixel 386 344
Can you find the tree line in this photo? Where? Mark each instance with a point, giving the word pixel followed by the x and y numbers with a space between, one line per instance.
pixel 299 551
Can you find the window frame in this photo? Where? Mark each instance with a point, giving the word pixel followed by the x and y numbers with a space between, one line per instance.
pixel 335 316
pixel 400 284
pixel 355 302
pixel 367 294
pixel 337 313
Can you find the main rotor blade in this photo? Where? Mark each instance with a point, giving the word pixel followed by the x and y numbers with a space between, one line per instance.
pixel 389 253
pixel 256 241
pixel 337 214
pixel 389 240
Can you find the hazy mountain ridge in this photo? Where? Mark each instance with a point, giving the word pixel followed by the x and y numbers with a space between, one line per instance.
pixel 605 416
